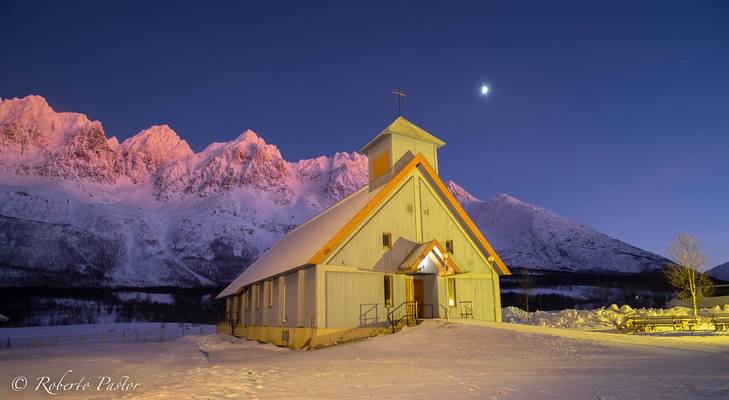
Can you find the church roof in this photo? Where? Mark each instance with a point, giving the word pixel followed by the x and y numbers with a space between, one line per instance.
pixel 297 246
pixel 402 126
pixel 314 240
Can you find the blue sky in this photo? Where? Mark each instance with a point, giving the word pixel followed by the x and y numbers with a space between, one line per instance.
pixel 615 114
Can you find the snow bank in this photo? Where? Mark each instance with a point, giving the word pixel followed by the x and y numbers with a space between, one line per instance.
pixel 604 317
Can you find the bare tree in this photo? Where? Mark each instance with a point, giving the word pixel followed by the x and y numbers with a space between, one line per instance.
pixel 684 275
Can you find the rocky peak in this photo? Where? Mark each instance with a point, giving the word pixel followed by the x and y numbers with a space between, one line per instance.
pixel 460 193
pixel 349 172
pixel 30 126
pixel 86 156
pixel 245 161
pixel 146 151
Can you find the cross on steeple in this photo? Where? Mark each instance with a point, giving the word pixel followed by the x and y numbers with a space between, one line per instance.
pixel 399 93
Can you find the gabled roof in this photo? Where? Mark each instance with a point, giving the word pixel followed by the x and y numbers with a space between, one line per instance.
pixel 297 246
pixel 314 240
pixel 402 126
pixel 435 252
pixel 418 160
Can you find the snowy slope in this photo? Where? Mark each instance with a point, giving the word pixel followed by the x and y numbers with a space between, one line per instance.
pixel 78 208
pixel 528 236
pixel 720 272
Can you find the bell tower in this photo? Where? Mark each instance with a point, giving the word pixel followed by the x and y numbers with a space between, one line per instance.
pixel 395 145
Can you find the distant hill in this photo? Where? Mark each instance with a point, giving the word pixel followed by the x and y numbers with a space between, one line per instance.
pixel 720 272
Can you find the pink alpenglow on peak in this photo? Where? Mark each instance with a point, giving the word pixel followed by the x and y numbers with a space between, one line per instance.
pixel 460 193
pixel 30 126
pixel 144 153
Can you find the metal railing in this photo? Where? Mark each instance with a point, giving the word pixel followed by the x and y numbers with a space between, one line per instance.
pixel 405 311
pixel 366 316
pixel 466 309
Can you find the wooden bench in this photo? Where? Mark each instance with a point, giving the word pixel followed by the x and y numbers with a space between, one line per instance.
pixel 720 321
pixel 650 323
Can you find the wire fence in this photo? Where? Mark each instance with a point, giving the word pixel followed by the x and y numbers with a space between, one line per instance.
pixel 129 335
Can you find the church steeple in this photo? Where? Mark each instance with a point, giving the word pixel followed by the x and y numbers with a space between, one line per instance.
pixel 401 139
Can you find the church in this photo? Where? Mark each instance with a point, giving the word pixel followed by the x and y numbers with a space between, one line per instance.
pixel 398 251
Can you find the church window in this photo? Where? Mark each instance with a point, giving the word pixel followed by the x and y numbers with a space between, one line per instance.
pixel 388 290
pixel 387 239
pixel 381 165
pixel 449 246
pixel 452 300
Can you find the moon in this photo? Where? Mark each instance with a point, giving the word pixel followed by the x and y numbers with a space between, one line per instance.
pixel 484 90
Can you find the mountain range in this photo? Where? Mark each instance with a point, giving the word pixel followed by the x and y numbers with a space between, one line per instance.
pixel 78 208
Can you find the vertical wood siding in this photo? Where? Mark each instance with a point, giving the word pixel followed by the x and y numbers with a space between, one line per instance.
pixel 291 299
pixel 396 216
pixel 402 144
pixel 310 296
pixel 349 294
pixel 438 223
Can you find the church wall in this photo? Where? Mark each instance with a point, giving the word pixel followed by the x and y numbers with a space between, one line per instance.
pixel 384 145
pixel 403 144
pixel 438 223
pixel 310 293
pixel 477 289
pixel 397 217
pixel 291 299
pixel 354 299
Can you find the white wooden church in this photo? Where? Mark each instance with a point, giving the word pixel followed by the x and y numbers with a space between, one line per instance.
pixel 399 250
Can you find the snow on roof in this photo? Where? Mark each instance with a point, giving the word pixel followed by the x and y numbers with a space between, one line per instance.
pixel 3 318
pixel 298 246
pixel 404 127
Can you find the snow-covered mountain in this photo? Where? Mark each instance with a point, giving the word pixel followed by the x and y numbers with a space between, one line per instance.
pixel 528 236
pixel 720 272
pixel 78 208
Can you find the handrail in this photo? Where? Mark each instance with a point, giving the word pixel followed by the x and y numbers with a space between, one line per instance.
pixel 411 312
pixel 466 309
pixel 363 315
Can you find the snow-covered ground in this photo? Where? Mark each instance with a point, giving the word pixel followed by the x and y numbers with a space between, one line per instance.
pixel 603 318
pixel 441 360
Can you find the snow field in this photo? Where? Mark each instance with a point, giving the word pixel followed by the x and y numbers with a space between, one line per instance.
pixel 495 361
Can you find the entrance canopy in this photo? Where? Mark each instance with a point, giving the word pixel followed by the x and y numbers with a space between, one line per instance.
pixel 429 258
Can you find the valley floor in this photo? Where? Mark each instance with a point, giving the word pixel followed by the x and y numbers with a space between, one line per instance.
pixel 434 360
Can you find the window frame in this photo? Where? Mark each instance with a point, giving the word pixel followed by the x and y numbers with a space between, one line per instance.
pixel 388 290
pixel 452 292
pixel 386 240
pixel 449 246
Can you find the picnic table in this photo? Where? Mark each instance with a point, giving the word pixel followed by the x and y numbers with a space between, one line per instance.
pixel 720 321
pixel 644 323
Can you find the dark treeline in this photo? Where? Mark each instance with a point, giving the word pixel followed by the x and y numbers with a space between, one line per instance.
pixel 64 306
